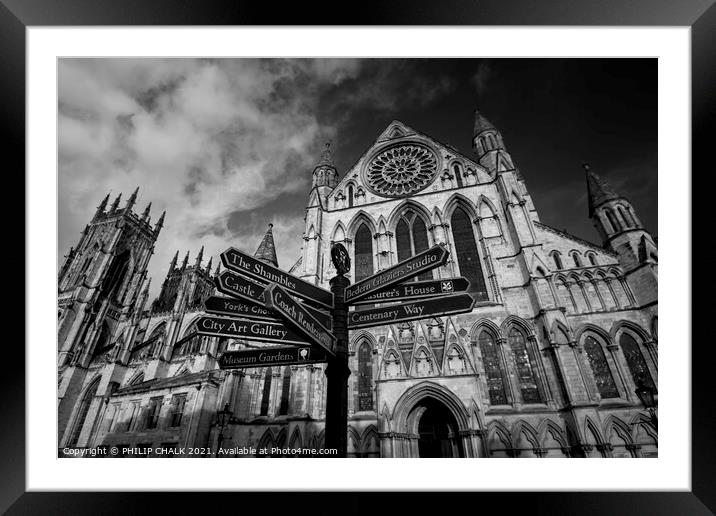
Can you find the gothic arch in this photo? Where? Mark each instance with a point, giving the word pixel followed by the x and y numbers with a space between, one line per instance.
pixel 437 217
pixel 513 320
pixel 358 219
pixel 149 333
pixel 370 432
pixel 523 427
pixel 559 326
pixel 549 426
pixel 591 428
pixel 361 336
pixel 418 208
pixel 267 440
pixel 281 439
pixel 620 427
pixel 592 328
pixel 137 378
pixel 645 422
pixel 353 434
pixel 499 430
pixel 79 416
pixel 620 326
pixel 427 389
pixel 458 199
pixel 295 439
pixel 481 324
pixel 339 232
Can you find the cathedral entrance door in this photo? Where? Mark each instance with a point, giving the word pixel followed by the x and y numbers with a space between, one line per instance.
pixel 437 429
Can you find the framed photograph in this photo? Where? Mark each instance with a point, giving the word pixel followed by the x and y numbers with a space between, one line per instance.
pixel 434 244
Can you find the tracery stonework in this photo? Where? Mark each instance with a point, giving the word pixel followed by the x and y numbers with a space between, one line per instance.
pixel 402 170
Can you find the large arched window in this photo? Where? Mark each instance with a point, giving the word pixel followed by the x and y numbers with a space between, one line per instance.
pixel 266 397
pixel 115 276
pixel 285 391
pixel 363 255
pixel 467 256
pixel 635 361
pixel 525 367
pixel 457 170
pixel 600 368
pixel 493 368
pixel 82 413
pixel 411 237
pixel 365 377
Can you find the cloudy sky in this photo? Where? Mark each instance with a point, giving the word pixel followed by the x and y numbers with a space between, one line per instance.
pixel 227 146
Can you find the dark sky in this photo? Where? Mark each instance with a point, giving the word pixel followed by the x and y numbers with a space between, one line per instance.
pixel 228 145
pixel 553 114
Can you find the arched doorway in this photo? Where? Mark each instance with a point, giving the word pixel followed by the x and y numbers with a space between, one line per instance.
pixel 436 428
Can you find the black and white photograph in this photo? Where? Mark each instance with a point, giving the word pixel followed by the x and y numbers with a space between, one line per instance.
pixel 357 257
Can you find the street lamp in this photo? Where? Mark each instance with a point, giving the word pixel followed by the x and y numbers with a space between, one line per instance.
pixel 647 397
pixel 222 420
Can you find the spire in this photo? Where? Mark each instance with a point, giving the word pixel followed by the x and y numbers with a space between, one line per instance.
pixel 173 265
pixel 102 206
pixel 186 261
pixel 598 189
pixel 115 204
pixel 199 257
pixel 326 159
pixel 266 251
pixel 218 269
pixel 132 200
pixel 145 215
pixel 208 265
pixel 481 124
pixel 160 222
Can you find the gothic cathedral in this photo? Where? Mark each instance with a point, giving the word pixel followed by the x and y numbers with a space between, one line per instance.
pixel 562 333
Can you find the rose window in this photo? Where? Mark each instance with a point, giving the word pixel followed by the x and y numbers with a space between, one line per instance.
pixel 402 170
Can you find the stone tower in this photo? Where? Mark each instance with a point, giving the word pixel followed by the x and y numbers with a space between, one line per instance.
pixel 621 231
pixel 101 279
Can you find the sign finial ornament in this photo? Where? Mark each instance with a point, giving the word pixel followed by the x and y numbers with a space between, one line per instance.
pixel 341 260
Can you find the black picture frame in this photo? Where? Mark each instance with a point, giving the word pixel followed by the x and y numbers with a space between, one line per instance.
pixel 17 15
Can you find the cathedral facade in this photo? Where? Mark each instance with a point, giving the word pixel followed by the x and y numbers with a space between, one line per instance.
pixel 547 363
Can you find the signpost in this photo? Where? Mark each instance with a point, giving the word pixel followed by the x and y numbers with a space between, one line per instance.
pixel 247 265
pixel 425 261
pixel 248 330
pixel 252 294
pixel 273 356
pixel 417 290
pixel 262 308
pixel 298 318
pixel 421 309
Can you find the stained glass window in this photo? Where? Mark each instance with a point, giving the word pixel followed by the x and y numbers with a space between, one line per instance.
pixel 600 368
pixel 493 368
pixel 635 361
pixel 266 393
pixel 411 237
pixel 285 391
pixel 525 367
pixel 467 256
pixel 82 413
pixel 365 377
pixel 363 253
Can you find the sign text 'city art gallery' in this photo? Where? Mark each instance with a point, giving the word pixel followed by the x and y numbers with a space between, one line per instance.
pixel 274 356
pixel 433 307
pixel 297 317
pixel 248 330
pixel 245 264
pixel 425 261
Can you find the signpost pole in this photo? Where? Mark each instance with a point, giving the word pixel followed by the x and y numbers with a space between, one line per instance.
pixel 337 373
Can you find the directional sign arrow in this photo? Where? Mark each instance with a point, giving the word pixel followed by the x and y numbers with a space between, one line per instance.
pixel 253 296
pixel 247 265
pixel 276 355
pixel 433 307
pixel 298 318
pixel 248 330
pixel 417 290
pixel 425 261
